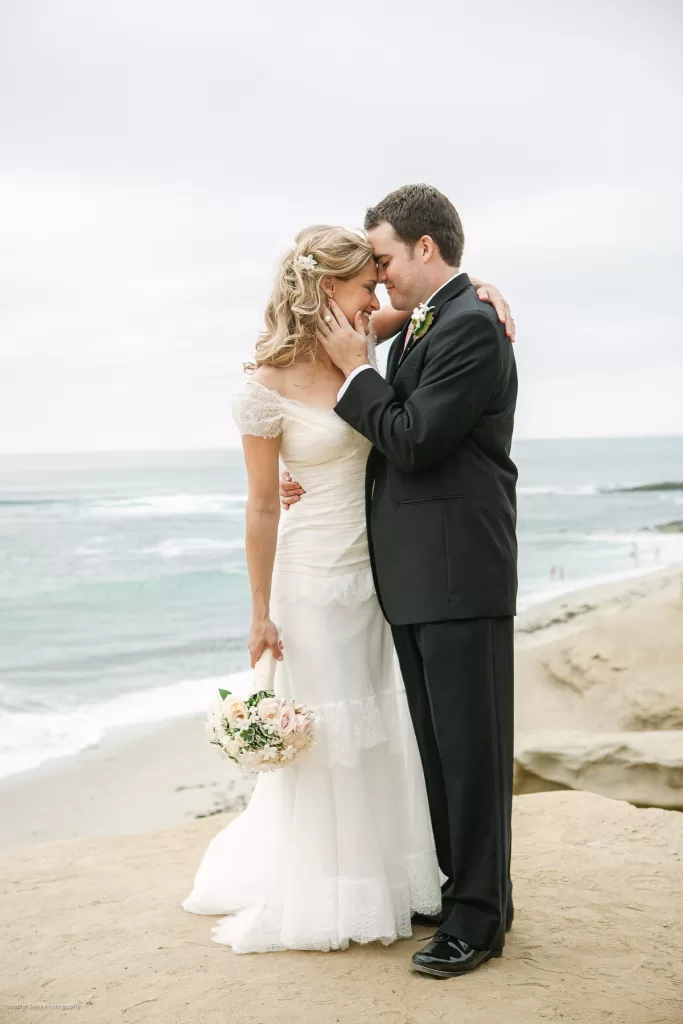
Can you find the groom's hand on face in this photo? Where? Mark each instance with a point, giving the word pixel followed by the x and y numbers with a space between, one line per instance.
pixel 290 490
pixel 346 345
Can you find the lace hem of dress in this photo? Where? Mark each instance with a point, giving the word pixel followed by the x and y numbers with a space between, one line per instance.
pixel 344 728
pixel 347 588
pixel 359 910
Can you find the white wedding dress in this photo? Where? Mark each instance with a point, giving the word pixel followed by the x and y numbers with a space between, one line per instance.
pixel 338 846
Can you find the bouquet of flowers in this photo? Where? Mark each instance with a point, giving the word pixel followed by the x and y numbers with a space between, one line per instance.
pixel 262 732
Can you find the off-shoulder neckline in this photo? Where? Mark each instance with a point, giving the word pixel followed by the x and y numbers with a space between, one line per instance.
pixel 292 401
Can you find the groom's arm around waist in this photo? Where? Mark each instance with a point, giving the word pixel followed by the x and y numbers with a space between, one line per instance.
pixel 458 378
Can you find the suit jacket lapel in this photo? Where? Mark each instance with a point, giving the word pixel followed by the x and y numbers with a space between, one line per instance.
pixel 449 291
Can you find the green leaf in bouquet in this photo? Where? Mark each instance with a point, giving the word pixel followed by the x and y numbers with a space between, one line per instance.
pixel 254 699
pixel 224 693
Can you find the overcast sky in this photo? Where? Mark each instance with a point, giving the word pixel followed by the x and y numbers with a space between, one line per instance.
pixel 157 156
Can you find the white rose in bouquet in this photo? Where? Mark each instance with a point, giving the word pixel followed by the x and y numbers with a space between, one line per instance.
pixel 236 712
pixel 269 710
pixel 303 720
pixel 287 722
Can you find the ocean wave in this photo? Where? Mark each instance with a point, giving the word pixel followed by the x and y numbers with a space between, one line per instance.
pixel 175 547
pixel 589 490
pixel 646 537
pixel 28 740
pixel 146 506
pixel 639 537
pixel 663 485
pixel 136 656
pixel 21 502
pixel 578 490
pixel 645 540
pixel 166 505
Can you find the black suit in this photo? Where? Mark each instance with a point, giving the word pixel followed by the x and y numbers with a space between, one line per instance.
pixel 441 509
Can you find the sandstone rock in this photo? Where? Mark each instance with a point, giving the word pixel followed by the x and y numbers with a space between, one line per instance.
pixel 645 768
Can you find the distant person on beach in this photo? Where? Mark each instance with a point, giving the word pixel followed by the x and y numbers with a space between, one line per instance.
pixel 399 539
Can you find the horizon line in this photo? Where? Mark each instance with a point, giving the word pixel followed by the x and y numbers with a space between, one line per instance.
pixel 237 448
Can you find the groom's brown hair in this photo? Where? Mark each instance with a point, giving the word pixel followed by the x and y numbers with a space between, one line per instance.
pixel 417 210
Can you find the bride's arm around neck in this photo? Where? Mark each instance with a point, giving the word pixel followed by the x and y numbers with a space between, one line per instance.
pixel 388 321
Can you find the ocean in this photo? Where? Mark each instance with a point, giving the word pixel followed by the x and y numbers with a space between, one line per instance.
pixel 123 588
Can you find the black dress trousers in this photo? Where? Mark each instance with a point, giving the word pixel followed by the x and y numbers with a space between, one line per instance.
pixel 459 679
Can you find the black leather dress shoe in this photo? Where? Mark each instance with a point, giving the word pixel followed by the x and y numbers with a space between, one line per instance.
pixel 446 956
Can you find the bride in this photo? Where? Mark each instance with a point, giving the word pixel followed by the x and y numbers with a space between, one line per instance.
pixel 338 846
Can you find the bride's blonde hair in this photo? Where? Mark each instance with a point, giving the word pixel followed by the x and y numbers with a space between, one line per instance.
pixel 297 299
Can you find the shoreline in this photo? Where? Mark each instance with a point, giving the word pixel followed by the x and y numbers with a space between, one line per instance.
pixel 534 603
pixel 606 596
pixel 51 737
pixel 160 774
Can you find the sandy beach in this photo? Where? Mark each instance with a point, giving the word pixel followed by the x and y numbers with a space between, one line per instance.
pixel 96 924
pixel 100 849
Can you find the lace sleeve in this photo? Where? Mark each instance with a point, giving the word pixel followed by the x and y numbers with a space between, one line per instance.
pixel 257 411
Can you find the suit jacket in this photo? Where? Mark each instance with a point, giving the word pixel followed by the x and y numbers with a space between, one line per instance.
pixel 442 518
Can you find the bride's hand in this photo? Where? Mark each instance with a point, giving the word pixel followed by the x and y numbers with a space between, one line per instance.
pixel 489 293
pixel 346 345
pixel 264 634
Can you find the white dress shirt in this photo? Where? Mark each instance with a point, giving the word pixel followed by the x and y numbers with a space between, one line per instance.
pixel 366 366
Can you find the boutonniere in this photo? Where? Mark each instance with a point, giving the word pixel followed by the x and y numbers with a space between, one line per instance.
pixel 422 318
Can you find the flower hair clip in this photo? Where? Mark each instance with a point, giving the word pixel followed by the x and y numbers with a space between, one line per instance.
pixel 306 262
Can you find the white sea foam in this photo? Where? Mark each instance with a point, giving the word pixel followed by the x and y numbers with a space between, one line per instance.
pixel 162 505
pixel 175 547
pixel 29 739
pixel 645 540
pixel 579 490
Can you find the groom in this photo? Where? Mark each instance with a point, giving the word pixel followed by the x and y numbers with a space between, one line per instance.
pixel 441 510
